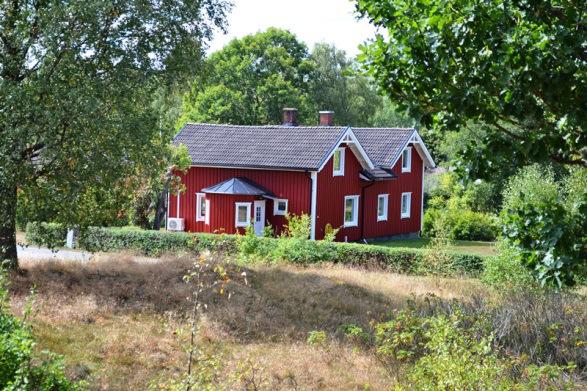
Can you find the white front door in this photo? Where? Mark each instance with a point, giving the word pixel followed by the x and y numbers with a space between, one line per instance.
pixel 259 214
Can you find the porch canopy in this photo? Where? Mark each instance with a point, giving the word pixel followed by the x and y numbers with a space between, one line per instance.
pixel 239 186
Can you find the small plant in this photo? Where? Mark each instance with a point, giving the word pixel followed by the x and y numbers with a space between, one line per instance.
pixel 438 261
pixel 316 338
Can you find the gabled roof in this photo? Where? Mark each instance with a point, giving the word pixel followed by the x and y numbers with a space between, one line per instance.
pixel 240 186
pixel 280 147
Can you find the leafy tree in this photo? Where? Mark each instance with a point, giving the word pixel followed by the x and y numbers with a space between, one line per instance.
pixel 336 85
pixel 544 220
pixel 251 80
pixel 76 83
pixel 519 69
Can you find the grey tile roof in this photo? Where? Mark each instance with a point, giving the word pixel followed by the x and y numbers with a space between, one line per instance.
pixel 383 145
pixel 241 186
pixel 293 147
pixel 283 147
pixel 378 174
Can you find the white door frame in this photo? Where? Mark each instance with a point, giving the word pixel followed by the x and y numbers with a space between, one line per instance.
pixel 259 221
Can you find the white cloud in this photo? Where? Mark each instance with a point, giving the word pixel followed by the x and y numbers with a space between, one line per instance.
pixel 331 21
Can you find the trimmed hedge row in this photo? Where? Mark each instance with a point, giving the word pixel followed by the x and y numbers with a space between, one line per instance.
pixel 299 251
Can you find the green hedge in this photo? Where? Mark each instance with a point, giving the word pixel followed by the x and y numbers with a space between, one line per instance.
pixel 250 247
pixel 46 234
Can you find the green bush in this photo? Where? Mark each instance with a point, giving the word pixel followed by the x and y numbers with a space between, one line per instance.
pixel 19 368
pixel 253 248
pixel 545 221
pixel 505 271
pixel 50 235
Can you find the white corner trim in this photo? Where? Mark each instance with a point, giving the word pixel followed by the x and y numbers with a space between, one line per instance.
pixel 409 198
pixel 314 196
pixel 355 221
pixel 178 203
pixel 385 198
pixel 208 211
pixel 422 204
pixel 236 207
pixel 340 171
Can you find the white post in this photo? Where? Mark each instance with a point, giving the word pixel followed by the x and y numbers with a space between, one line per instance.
pixel 69 239
pixel 314 177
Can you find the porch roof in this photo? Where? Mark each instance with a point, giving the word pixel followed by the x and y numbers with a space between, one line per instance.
pixel 238 186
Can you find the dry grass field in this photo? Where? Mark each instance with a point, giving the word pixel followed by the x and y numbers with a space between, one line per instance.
pixel 121 324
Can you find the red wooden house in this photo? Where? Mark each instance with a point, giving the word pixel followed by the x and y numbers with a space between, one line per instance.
pixel 366 181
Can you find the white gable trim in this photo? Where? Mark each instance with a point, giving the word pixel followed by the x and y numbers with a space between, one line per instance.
pixel 351 140
pixel 419 145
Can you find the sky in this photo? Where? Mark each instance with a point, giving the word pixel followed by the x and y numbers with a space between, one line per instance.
pixel 330 21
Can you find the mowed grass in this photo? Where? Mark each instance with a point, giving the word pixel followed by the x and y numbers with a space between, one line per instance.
pixel 463 246
pixel 121 324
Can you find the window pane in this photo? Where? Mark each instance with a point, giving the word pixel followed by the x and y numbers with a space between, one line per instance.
pixel 281 206
pixel 336 161
pixel 405 158
pixel 202 206
pixel 349 210
pixel 381 206
pixel 258 214
pixel 242 214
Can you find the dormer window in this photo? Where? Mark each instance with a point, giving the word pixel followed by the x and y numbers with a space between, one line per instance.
pixel 407 160
pixel 338 162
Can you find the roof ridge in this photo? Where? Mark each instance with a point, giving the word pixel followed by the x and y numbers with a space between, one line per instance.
pixel 264 126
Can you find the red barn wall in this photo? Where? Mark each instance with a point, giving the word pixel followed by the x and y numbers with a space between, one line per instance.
pixel 333 189
pixel 291 185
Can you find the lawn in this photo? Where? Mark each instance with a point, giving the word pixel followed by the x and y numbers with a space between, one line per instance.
pixel 464 246
pixel 122 325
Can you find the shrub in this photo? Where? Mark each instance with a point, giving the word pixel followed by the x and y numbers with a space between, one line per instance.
pixel 546 221
pixel 19 368
pixel 316 337
pixel 50 235
pixel 505 271
pixel 460 346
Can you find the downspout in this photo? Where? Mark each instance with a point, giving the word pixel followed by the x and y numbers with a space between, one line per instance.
pixel 313 201
pixel 363 210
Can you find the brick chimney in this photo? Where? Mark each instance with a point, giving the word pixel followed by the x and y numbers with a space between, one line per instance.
pixel 326 118
pixel 290 117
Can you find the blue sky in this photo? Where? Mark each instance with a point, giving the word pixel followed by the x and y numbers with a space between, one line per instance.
pixel 331 21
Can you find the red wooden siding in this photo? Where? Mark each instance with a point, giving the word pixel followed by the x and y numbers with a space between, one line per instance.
pixel 333 189
pixel 291 185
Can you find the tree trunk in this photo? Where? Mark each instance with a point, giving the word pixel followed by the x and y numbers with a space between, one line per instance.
pixel 160 209
pixel 8 257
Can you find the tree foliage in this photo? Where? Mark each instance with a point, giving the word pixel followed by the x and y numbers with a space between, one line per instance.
pixel 253 78
pixel 519 69
pixel 76 83
pixel 544 220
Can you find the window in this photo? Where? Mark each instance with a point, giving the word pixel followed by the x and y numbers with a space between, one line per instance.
pixel 201 207
pixel 279 207
pixel 351 211
pixel 338 162
pixel 242 216
pixel 406 205
pixel 382 207
pixel 407 159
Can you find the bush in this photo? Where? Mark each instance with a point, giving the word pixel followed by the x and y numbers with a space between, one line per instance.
pixel 50 235
pixel 505 271
pixel 251 247
pixel 19 368
pixel 545 222
pixel 467 346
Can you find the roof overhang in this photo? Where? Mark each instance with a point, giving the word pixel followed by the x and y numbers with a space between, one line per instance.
pixel 349 138
pixel 416 140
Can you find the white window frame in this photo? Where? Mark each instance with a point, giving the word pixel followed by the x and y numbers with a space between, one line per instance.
pixel 339 172
pixel 276 211
pixel 385 198
pixel 355 221
pixel 208 211
pixel 237 205
pixel 199 215
pixel 408 196
pixel 407 159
